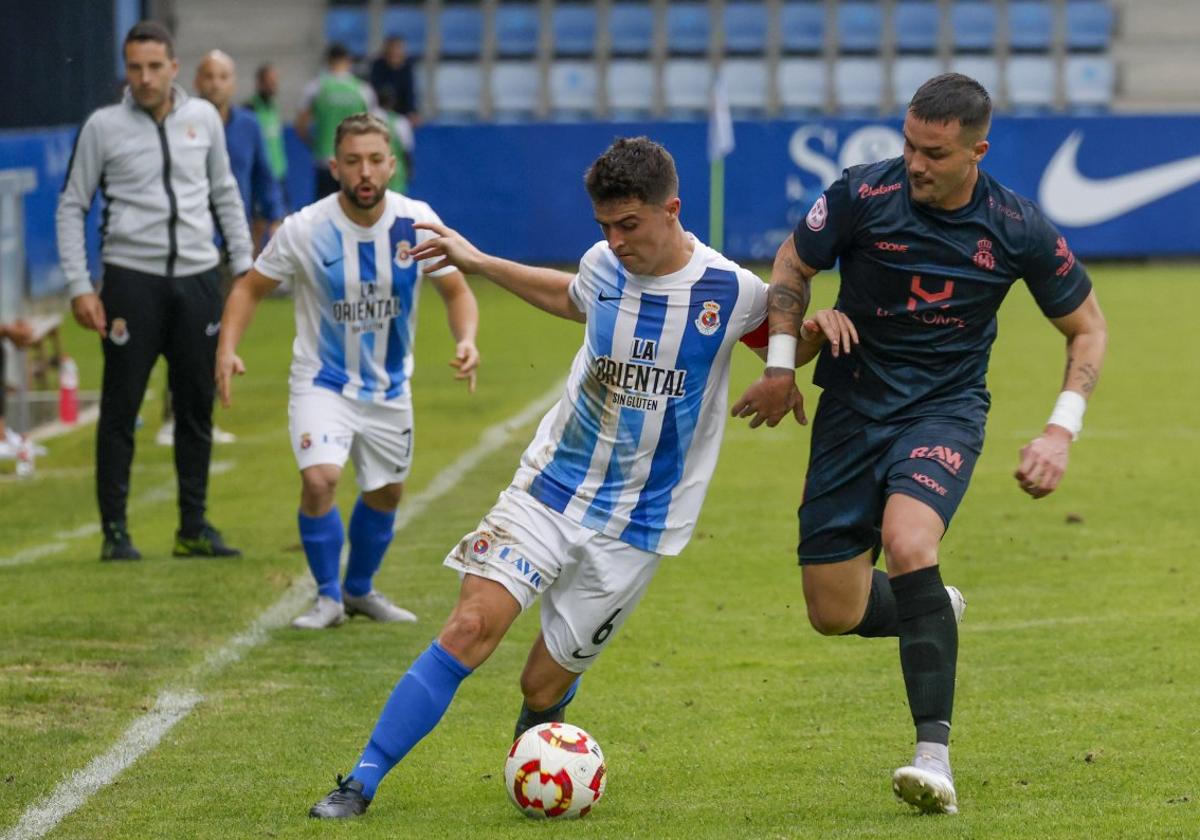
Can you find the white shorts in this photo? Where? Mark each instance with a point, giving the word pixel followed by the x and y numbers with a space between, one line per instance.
pixel 327 428
pixel 589 582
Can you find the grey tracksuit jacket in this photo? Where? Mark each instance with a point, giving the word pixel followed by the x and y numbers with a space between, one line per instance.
pixel 162 185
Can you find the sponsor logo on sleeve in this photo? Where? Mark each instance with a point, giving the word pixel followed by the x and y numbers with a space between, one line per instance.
pixel 818 215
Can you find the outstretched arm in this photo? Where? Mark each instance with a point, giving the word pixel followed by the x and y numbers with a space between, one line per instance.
pixel 463 313
pixel 1044 459
pixel 545 288
pixel 249 289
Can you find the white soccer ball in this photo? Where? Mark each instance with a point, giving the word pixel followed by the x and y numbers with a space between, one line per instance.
pixel 555 770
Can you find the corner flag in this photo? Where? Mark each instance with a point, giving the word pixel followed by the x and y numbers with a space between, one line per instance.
pixel 720 144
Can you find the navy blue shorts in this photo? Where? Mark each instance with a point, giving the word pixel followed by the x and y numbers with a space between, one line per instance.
pixel 856 463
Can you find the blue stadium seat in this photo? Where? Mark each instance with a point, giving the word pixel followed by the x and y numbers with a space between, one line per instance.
pixel 746 86
pixel 984 69
pixel 631 28
pixel 1030 26
pixel 1090 82
pixel 687 28
pixel 1030 81
pixel 686 84
pixel 574 28
pixel 573 87
pixel 974 26
pixel 630 87
pixel 859 26
pixel 462 31
pixel 745 27
pixel 514 90
pixel 858 84
pixel 802 86
pixel 1089 25
pixel 458 89
pixel 409 23
pixel 909 72
pixel 348 26
pixel 517 26
pixel 802 27
pixel 916 26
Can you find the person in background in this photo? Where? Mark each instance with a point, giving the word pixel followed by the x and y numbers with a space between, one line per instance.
pixel 392 77
pixel 20 333
pixel 328 99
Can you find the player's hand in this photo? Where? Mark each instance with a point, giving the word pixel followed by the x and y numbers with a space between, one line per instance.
pixel 229 365
pixel 454 249
pixel 832 326
pixel 1044 461
pixel 89 313
pixel 19 333
pixel 466 359
pixel 770 398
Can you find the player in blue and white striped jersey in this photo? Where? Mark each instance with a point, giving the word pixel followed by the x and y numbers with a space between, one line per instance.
pixel 348 258
pixel 616 475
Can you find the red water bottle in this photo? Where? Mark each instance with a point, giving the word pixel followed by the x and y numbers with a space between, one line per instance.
pixel 68 390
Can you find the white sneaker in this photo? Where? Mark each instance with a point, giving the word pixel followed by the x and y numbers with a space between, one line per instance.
pixel 219 435
pixel 326 612
pixel 929 791
pixel 375 605
pixel 957 602
pixel 166 434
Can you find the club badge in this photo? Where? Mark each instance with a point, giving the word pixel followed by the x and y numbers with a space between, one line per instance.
pixel 402 258
pixel 118 332
pixel 818 215
pixel 305 440
pixel 709 320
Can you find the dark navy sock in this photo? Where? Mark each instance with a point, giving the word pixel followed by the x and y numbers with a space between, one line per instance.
pixel 928 650
pixel 528 718
pixel 322 537
pixel 880 618
pixel 414 708
pixel 370 536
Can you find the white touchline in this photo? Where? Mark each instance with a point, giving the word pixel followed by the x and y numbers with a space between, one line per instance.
pixel 175 702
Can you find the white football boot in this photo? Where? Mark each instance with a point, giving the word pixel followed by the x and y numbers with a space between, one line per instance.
pixel 957 602
pixel 926 785
pixel 326 612
pixel 375 605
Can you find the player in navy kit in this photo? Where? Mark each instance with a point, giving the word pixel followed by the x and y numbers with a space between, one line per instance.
pixel 929 245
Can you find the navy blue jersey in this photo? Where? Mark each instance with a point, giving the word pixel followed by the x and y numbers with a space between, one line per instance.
pixel 923 285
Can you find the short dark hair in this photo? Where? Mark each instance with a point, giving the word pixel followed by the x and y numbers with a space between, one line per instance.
pixel 953 96
pixel 632 167
pixel 263 70
pixel 150 30
pixel 361 123
pixel 336 52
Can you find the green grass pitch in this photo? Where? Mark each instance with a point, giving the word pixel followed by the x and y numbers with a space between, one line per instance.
pixel 721 713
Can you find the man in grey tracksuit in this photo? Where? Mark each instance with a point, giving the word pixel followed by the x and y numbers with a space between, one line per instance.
pixel 159 159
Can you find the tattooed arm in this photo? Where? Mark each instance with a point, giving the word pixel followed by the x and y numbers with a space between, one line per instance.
pixel 1044 459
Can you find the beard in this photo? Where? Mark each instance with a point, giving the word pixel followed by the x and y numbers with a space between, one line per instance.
pixel 351 193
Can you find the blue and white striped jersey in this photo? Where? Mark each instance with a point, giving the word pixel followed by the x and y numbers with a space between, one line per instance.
pixel 631 446
pixel 356 295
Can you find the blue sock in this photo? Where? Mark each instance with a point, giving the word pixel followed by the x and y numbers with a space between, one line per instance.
pixel 322 537
pixel 415 706
pixel 370 535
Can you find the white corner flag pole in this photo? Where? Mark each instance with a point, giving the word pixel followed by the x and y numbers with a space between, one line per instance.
pixel 720 144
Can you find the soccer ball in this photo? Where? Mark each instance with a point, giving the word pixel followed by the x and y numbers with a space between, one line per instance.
pixel 555 770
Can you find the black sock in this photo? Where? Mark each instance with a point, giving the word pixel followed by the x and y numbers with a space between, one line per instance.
pixel 928 650
pixel 880 618
pixel 530 718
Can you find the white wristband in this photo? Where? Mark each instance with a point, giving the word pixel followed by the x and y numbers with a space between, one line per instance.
pixel 781 351
pixel 1068 412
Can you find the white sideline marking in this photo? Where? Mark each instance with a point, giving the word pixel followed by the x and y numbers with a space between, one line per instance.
pixel 175 702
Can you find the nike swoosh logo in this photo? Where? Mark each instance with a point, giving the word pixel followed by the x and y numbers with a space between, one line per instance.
pixel 328 263
pixel 1072 199
pixel 604 297
pixel 578 655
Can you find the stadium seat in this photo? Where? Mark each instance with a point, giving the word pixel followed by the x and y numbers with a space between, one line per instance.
pixel 802 86
pixel 909 73
pixel 1030 81
pixel 858 84
pixel 746 86
pixel 984 69
pixel 348 26
pixel 916 27
pixel 631 29
pixel 974 26
pixel 1030 26
pixel 458 89
pixel 859 27
pixel 1090 82
pixel 687 28
pixel 517 27
pixel 802 27
pixel 514 90
pixel 630 87
pixel 745 27
pixel 686 83
pixel 1089 24
pixel 573 88
pixel 407 21
pixel 462 32
pixel 574 29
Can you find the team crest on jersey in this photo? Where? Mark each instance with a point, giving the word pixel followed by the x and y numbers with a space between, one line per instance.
pixel 305 440
pixel 984 258
pixel 709 320
pixel 402 258
pixel 818 215
pixel 190 131
pixel 118 332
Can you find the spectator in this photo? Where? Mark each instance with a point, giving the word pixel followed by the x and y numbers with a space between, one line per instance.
pixel 392 76
pixel 329 99
pixel 160 156
pixel 20 333
pixel 401 143
pixel 266 109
